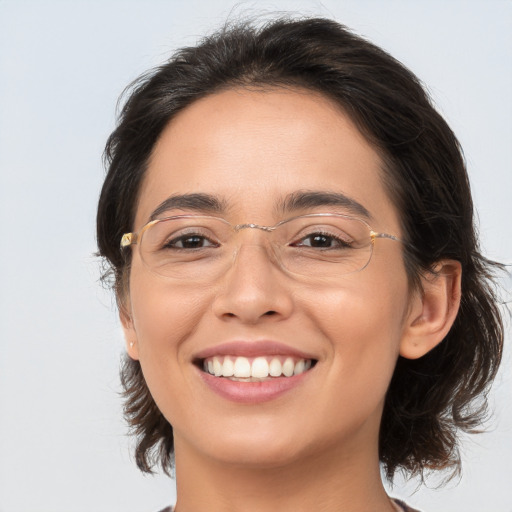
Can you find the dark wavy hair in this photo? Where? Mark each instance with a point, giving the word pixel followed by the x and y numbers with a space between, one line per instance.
pixel 429 399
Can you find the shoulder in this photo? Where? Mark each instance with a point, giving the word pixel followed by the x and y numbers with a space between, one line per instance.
pixel 401 506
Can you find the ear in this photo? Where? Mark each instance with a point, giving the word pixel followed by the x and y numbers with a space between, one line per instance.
pixel 130 335
pixel 433 310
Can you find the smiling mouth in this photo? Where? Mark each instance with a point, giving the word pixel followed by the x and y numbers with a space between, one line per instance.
pixel 255 369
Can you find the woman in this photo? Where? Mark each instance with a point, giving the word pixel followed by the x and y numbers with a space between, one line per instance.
pixel 299 279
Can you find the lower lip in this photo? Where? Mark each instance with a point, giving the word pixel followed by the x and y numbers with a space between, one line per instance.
pixel 251 392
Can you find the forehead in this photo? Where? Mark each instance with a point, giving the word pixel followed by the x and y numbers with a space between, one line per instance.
pixel 253 149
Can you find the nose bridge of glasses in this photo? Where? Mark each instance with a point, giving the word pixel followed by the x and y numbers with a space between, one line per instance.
pixel 253 234
pixel 240 227
pixel 255 237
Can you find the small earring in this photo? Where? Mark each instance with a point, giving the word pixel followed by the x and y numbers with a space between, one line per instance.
pixel 132 343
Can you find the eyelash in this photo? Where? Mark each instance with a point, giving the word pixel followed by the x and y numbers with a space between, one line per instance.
pixel 172 243
pixel 324 234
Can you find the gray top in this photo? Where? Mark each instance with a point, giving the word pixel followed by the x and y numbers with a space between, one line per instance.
pixel 401 506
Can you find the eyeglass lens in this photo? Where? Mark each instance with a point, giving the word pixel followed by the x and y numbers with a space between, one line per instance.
pixel 203 247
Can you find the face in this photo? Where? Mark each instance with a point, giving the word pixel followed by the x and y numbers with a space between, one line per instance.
pixel 252 151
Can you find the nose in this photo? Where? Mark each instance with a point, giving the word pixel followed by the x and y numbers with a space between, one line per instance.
pixel 254 289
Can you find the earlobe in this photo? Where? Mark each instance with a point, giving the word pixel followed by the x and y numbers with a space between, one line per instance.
pixel 130 336
pixel 433 310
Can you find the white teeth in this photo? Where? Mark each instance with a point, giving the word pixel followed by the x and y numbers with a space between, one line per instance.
pixel 217 367
pixel 242 367
pixel 253 370
pixel 228 368
pixel 275 368
pixel 288 367
pixel 299 367
pixel 259 368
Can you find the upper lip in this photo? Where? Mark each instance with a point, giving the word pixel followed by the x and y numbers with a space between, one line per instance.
pixel 252 349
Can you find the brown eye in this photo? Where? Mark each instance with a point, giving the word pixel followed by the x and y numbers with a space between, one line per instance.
pixel 322 241
pixel 189 241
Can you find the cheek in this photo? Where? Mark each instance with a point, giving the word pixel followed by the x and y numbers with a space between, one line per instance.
pixel 162 313
pixel 164 316
pixel 364 325
pixel 362 306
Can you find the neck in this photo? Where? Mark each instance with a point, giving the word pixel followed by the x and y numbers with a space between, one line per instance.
pixel 332 482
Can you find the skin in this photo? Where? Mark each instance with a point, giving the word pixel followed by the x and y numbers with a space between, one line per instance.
pixel 315 447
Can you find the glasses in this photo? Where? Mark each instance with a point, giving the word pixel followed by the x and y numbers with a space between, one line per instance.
pixel 202 248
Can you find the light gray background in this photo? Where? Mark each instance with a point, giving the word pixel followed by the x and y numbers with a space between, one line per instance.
pixel 62 66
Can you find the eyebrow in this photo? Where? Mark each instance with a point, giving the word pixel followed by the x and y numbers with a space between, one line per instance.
pixel 313 199
pixel 300 200
pixel 198 202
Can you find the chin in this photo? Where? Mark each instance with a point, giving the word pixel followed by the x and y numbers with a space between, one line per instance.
pixel 252 443
pixel 255 456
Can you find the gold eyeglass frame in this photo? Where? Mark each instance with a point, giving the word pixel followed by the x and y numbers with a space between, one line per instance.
pixel 130 239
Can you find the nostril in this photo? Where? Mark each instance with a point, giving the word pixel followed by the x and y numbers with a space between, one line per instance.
pixel 270 313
